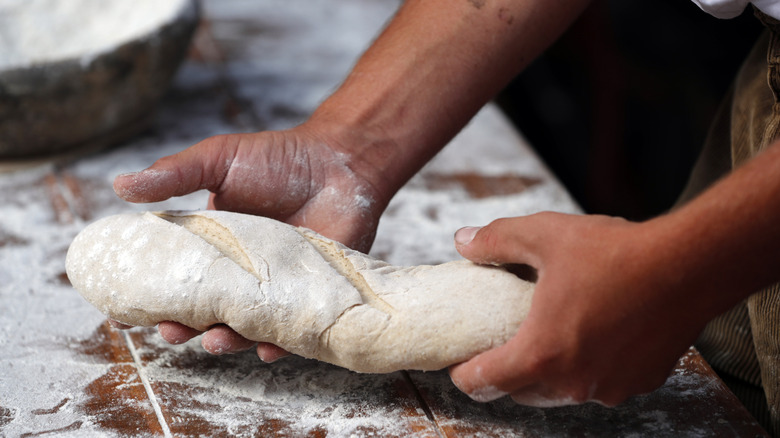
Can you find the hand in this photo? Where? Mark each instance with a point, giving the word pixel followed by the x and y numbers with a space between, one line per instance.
pixel 297 176
pixel 607 320
pixel 294 176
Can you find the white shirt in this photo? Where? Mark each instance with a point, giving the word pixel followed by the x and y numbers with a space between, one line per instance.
pixel 732 8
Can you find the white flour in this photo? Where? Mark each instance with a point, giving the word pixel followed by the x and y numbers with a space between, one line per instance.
pixel 38 31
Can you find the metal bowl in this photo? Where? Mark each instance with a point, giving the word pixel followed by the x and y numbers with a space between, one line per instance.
pixel 53 107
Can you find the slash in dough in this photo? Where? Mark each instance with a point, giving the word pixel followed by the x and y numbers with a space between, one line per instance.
pixel 292 287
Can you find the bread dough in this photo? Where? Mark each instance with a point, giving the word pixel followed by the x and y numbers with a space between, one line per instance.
pixel 292 287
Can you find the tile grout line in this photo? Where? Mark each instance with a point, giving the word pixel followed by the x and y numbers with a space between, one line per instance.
pixel 147 386
pixel 423 404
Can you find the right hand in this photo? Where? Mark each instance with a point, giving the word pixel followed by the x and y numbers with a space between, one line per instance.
pixel 609 318
pixel 299 176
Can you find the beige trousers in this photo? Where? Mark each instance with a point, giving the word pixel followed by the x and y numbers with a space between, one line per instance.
pixel 743 345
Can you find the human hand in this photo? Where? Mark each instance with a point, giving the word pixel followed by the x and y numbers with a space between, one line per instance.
pixel 608 319
pixel 299 176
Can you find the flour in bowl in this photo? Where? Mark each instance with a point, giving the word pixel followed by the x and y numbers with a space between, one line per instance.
pixel 38 31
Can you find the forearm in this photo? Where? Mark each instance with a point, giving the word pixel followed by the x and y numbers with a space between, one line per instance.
pixel 429 72
pixel 725 244
pixel 616 302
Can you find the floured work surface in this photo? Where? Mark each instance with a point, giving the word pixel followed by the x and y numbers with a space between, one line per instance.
pixel 64 372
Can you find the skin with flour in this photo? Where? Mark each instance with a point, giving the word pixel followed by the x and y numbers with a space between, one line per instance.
pixel 271 282
pixel 397 108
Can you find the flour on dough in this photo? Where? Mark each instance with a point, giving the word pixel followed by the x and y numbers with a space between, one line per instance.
pixel 292 287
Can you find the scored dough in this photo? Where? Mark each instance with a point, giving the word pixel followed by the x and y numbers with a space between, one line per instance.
pixel 272 282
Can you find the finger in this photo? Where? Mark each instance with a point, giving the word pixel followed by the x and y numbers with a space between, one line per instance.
pixel 539 396
pixel 269 352
pixel 202 166
pixel 494 373
pixel 502 241
pixel 176 333
pixel 221 339
pixel 210 204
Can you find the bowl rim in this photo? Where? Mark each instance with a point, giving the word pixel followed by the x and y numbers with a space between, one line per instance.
pixel 189 10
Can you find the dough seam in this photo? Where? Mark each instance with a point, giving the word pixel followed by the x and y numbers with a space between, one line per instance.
pixel 336 258
pixel 223 240
pixel 326 332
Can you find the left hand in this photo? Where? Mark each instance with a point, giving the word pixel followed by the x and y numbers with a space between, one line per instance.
pixel 607 321
pixel 300 176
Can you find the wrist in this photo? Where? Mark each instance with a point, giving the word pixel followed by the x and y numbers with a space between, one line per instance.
pixel 369 151
pixel 366 157
pixel 694 264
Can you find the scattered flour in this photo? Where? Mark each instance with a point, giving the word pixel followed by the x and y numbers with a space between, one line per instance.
pixel 38 31
pixel 43 321
pixel 237 393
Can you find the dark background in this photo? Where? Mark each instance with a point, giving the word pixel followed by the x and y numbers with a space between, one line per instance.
pixel 620 106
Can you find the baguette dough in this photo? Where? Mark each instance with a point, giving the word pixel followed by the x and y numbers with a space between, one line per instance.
pixel 292 287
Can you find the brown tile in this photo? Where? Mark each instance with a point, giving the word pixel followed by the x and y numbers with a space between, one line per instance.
pixel 692 402
pixel 117 401
pixel 53 410
pixel 9 239
pixel 105 345
pixel 6 416
pixel 77 198
pixel 201 394
pixel 76 425
pixel 59 203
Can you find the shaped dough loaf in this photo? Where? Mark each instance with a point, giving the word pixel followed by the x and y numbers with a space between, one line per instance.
pixel 314 297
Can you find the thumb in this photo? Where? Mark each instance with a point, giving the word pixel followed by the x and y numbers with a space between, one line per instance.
pixel 503 241
pixel 497 372
pixel 202 166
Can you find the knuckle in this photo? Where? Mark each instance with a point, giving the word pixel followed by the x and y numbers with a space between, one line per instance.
pixel 546 217
pixel 498 239
pixel 217 140
pixel 164 161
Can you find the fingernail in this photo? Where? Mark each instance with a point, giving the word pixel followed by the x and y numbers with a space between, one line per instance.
pixel 465 235
pixel 270 358
pixel 127 174
pixel 486 394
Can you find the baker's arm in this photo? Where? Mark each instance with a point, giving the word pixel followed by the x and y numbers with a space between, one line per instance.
pixel 434 66
pixel 617 303
pixel 425 76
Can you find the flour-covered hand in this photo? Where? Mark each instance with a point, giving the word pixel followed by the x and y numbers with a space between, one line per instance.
pixel 607 321
pixel 296 176
pixel 300 176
